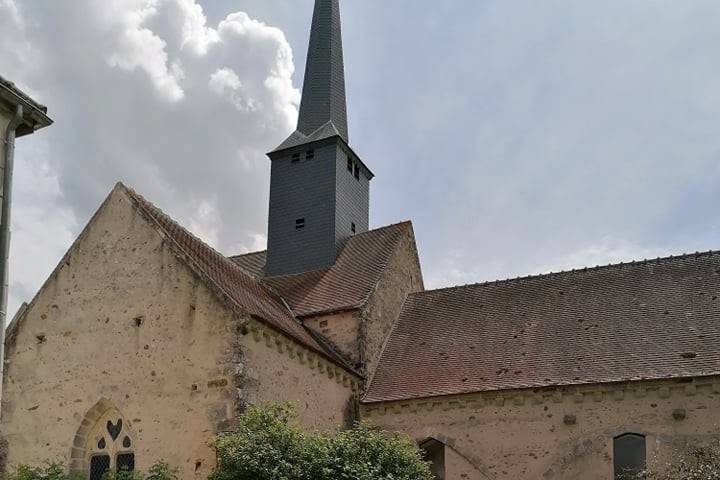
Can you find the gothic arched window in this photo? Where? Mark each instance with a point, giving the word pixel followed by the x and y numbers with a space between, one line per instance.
pixel 109 443
pixel 628 455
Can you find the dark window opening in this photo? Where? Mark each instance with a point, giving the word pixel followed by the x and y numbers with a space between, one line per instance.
pixel 310 154
pixel 299 223
pixel 434 452
pixel 352 228
pixel 357 172
pixel 628 455
pixel 99 464
pixel 125 462
pixel 350 164
pixel 295 158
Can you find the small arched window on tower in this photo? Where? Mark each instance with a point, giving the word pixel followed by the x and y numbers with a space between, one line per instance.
pixel 629 455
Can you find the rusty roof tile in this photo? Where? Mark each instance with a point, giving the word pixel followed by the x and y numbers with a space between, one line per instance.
pixel 648 320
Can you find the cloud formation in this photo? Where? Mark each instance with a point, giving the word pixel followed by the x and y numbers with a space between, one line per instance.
pixel 146 92
pixel 519 136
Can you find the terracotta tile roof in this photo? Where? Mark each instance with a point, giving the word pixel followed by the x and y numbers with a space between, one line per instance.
pixel 239 287
pixel 649 320
pixel 344 286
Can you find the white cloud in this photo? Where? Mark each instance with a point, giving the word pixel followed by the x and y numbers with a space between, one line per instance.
pixel 146 92
pixel 139 47
pixel 43 226
pixel 226 83
pixel 454 269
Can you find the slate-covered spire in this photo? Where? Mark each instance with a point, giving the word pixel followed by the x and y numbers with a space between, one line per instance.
pixel 319 187
pixel 323 97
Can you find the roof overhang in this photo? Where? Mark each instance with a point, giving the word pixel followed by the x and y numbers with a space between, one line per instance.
pixel 34 114
pixel 285 151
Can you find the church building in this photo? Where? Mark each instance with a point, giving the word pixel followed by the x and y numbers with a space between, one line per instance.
pixel 145 343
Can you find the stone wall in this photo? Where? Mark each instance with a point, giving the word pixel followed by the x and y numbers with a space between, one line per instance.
pixel 401 277
pixel 556 433
pixel 278 370
pixel 121 322
pixel 342 330
pixel 125 328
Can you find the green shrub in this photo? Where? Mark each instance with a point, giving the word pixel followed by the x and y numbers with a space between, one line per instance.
pixel 688 462
pixel 54 471
pixel 268 446
pixel 3 456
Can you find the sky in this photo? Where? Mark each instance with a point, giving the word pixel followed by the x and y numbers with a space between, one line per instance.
pixel 520 137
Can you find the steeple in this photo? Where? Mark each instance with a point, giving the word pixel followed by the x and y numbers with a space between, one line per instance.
pixel 319 187
pixel 323 97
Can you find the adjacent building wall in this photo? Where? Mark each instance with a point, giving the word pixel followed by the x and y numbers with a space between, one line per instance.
pixel 555 434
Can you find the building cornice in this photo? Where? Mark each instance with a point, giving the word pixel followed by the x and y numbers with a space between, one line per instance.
pixel 618 392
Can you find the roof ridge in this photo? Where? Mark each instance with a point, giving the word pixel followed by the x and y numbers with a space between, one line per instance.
pixel 610 266
pixel 171 219
pixel 246 254
pixel 384 227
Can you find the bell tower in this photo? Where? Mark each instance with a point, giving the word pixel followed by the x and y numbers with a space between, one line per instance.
pixel 319 187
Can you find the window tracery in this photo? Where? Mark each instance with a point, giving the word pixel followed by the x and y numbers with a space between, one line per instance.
pixel 110 445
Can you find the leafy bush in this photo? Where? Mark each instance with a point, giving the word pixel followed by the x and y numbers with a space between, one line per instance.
pixel 267 446
pixel 161 471
pixel 3 456
pixel 54 471
pixel 690 462
pixel 364 453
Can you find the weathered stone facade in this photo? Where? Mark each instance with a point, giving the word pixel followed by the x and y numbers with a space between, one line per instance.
pixel 402 276
pixel 125 325
pixel 555 433
pixel 145 343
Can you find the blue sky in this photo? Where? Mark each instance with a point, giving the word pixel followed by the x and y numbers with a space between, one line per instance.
pixel 519 136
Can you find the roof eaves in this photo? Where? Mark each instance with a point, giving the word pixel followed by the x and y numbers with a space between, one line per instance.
pixel 331 311
pixel 339 358
pixel 308 141
pixel 35 114
pixel 366 400
pixel 242 310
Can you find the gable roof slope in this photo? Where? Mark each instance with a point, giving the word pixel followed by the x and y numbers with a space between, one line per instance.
pixel 235 284
pixel 641 321
pixel 346 285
